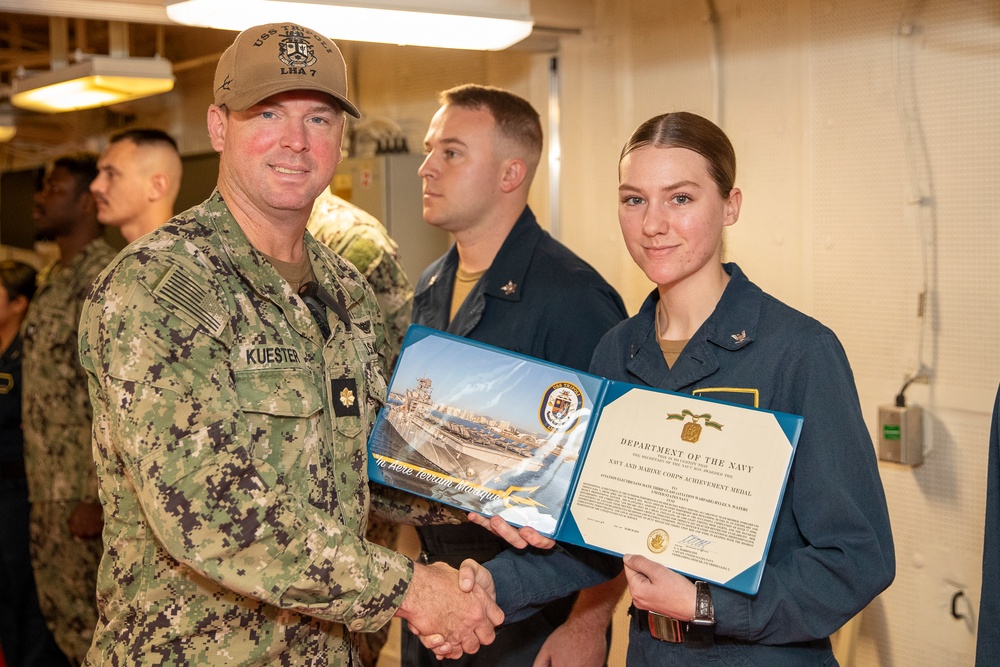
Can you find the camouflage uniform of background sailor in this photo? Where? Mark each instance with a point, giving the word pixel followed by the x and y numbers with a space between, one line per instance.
pixel 235 523
pixel 59 457
pixel 361 239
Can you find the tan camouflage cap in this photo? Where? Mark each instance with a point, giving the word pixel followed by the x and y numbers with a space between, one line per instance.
pixel 278 57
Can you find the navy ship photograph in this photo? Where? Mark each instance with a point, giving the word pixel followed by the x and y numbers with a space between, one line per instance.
pixel 470 448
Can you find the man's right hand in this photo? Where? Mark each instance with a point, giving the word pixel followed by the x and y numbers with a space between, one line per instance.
pixel 449 619
pixel 471 577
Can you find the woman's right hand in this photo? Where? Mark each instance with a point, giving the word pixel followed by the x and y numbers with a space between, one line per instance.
pixel 519 538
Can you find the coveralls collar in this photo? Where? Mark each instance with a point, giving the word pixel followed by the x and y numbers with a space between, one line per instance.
pixel 504 279
pixel 732 326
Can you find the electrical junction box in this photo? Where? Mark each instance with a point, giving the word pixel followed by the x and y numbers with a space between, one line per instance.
pixel 901 434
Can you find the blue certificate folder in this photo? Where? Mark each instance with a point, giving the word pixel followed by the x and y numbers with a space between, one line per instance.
pixel 692 483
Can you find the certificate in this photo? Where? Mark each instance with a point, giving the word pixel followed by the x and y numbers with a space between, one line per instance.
pixel 692 483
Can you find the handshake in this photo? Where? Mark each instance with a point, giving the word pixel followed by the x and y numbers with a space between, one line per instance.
pixel 455 613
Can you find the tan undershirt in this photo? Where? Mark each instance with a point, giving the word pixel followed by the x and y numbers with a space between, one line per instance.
pixel 296 273
pixel 671 349
pixel 464 282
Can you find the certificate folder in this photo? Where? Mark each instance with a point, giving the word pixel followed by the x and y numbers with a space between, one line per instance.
pixel 692 483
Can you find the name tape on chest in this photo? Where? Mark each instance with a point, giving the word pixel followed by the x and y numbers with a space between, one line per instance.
pixel 270 356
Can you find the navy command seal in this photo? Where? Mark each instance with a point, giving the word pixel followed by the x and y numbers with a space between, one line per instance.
pixel 235 367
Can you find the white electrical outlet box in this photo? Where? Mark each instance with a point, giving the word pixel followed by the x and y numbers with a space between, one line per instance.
pixel 901 434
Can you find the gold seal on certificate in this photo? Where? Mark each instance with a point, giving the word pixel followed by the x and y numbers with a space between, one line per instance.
pixel 658 541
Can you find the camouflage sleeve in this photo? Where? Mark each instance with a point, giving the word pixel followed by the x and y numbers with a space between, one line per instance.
pixel 99 255
pixel 401 507
pixel 174 419
pixel 384 272
pixel 83 449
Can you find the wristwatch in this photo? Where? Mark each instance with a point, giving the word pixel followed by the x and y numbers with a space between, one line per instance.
pixel 704 609
pixel 669 629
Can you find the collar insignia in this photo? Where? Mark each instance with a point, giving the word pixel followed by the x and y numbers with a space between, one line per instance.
pixel 740 337
pixel 347 397
pixel 509 288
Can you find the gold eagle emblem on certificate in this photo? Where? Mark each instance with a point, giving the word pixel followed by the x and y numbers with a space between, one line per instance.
pixel 692 429
pixel 347 397
pixel 658 541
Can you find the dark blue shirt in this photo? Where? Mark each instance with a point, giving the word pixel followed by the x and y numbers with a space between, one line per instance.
pixel 537 298
pixel 11 437
pixel 988 640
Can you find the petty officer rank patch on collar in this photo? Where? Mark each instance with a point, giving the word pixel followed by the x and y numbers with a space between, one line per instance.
pixel 345 397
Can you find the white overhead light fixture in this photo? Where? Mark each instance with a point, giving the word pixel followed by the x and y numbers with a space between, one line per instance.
pixel 94 82
pixel 489 25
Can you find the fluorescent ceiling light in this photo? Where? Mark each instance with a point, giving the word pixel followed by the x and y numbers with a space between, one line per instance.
pixel 97 81
pixel 488 25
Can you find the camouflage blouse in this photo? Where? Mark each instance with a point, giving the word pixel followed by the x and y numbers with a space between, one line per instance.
pixel 230 440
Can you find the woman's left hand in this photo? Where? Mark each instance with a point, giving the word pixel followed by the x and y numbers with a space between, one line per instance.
pixel 658 588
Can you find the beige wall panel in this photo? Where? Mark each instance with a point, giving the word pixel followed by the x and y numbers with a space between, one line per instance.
pixel 759 102
pixel 896 117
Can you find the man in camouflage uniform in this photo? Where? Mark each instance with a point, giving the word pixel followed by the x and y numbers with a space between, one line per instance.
pixel 360 238
pixel 231 414
pixel 62 482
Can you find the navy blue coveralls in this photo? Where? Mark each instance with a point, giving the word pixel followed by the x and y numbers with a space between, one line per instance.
pixel 832 549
